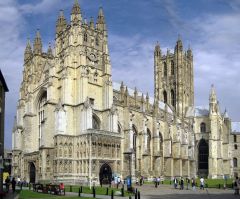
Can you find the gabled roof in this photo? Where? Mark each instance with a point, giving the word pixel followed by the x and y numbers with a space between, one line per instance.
pixel 3 81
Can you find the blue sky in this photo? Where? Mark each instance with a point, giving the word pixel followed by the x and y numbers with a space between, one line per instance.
pixel 210 27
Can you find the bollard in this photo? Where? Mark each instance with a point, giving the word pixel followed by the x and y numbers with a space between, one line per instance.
pixel 79 192
pixel 70 188
pixel 219 186
pixel 138 194
pixel 122 191
pixel 64 191
pixel 162 182
pixel 81 189
pixel 94 192
pixel 107 191
pixel 112 195
pixel 130 197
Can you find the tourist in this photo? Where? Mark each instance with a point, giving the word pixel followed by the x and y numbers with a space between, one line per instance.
pixel 158 180
pixel 175 182
pixel 7 182
pixel 236 186
pixel 13 185
pixel 188 182
pixel 137 182
pixel 202 183
pixel 193 184
pixel 181 183
pixel 61 188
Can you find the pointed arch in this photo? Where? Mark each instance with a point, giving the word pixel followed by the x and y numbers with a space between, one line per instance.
pixel 41 116
pixel 95 122
pixel 173 98
pixel 85 37
pixel 203 153
pixel 165 96
pixel 148 140
pixel 203 127
pixel 172 68
pixel 165 69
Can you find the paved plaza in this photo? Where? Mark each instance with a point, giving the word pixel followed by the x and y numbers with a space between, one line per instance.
pixel 168 192
pixel 148 191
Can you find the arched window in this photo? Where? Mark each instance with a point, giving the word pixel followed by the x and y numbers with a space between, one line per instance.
pixel 164 96
pixel 234 162
pixel 235 138
pixel 235 147
pixel 165 69
pixel 85 37
pixel 134 138
pixel 172 98
pixel 119 129
pixel 97 41
pixel 41 116
pixel 172 68
pixel 203 127
pixel 95 122
pixel 148 140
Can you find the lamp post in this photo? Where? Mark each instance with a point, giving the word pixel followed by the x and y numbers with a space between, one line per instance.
pixel 129 180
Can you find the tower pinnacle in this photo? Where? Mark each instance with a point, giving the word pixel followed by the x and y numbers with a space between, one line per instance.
pixel 101 20
pixel 28 50
pixel 61 22
pixel 76 13
pixel 37 46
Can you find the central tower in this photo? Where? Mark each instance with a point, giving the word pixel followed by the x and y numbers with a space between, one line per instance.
pixel 173 78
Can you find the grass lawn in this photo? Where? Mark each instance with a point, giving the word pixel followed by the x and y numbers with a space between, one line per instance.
pixel 26 194
pixel 99 190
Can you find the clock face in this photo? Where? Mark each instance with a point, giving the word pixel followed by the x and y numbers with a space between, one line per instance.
pixel 92 57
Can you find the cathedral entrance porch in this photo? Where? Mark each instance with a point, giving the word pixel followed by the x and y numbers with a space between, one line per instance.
pixel 105 174
pixel 203 158
pixel 32 172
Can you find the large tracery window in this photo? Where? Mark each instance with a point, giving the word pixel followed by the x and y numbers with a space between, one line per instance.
pixel 172 98
pixel 148 140
pixel 172 68
pixel 165 69
pixel 41 116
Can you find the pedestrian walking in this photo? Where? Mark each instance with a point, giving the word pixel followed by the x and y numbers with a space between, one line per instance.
pixel 158 180
pixel 175 182
pixel 193 184
pixel 181 183
pixel 188 182
pixel 7 182
pixel 13 185
pixel 236 186
pixel 202 183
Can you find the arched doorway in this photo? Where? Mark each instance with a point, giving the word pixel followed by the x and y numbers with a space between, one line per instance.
pixel 32 172
pixel 105 174
pixel 203 158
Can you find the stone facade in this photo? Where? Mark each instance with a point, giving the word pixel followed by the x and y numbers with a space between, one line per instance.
pixel 74 124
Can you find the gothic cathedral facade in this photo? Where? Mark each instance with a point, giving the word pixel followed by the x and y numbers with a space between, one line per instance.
pixel 74 124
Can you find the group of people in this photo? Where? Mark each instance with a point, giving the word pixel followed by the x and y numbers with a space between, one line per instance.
pixel 139 180
pixel 180 182
pixel 9 182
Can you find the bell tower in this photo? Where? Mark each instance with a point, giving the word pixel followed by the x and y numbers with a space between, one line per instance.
pixel 173 78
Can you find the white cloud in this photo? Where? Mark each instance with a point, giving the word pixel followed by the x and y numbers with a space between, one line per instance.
pixel 42 7
pixel 217 59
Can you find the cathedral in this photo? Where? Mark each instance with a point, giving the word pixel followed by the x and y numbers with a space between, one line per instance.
pixel 75 125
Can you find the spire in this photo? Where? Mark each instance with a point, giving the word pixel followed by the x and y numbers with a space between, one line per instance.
pixel 91 24
pixel 28 50
pixel 157 51
pixel 179 44
pixel 213 97
pixel 101 20
pixel 225 115
pixel 135 93
pixel 37 46
pixel 49 52
pixel 189 51
pixel 76 12
pixel 61 22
